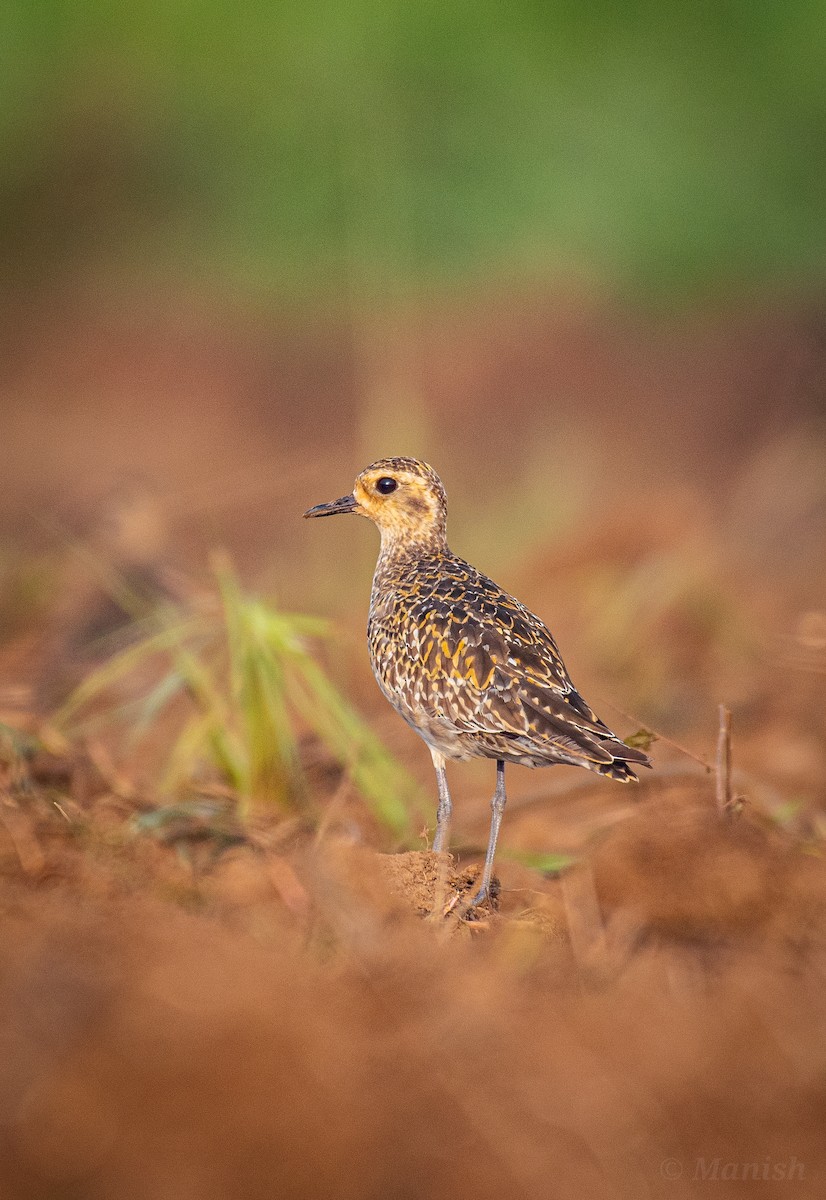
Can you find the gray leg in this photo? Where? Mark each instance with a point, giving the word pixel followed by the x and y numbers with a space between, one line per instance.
pixel 445 807
pixel 497 805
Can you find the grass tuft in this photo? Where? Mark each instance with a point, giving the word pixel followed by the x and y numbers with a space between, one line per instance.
pixel 253 687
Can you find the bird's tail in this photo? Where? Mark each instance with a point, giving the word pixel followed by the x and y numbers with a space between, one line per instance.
pixel 620 768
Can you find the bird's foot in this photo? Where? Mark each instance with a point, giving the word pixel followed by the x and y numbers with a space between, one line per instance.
pixel 462 907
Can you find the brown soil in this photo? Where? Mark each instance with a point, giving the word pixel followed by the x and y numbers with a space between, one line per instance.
pixel 280 1020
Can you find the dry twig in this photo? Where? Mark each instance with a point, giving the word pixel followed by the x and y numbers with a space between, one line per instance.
pixel 725 801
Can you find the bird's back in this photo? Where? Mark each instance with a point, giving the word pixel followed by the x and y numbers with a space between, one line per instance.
pixel 476 673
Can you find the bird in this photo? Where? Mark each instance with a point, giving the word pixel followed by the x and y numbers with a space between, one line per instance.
pixel 468 666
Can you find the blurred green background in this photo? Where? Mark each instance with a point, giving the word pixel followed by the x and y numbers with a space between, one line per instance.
pixel 372 147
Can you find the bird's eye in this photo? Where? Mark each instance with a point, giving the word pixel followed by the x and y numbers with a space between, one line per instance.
pixel 386 485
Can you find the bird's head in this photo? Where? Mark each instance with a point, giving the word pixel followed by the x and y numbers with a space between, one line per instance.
pixel 403 496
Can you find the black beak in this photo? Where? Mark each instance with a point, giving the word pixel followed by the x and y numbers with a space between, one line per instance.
pixel 346 504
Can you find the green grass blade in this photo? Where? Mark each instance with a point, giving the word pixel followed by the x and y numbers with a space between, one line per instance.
pixel 121 665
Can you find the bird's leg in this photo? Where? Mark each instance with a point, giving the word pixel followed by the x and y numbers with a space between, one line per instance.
pixel 497 805
pixel 445 807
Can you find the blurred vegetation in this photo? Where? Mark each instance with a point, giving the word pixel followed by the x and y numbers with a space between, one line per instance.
pixel 253 686
pixel 372 146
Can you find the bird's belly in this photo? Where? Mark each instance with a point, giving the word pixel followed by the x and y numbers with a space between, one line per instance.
pixel 440 734
pixel 438 731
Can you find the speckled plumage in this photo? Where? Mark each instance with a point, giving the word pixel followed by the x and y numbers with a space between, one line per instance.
pixel 476 673
pixel 468 666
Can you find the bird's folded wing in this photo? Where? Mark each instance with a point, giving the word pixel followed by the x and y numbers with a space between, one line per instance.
pixel 501 673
